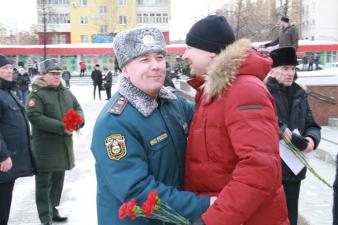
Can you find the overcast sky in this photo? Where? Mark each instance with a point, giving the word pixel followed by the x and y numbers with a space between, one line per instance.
pixel 22 13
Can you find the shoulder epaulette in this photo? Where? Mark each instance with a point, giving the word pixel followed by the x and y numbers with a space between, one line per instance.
pixel 118 106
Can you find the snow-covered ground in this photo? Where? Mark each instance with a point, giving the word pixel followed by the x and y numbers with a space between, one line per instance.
pixel 327 76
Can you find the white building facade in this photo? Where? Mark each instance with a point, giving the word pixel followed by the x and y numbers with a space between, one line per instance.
pixel 320 20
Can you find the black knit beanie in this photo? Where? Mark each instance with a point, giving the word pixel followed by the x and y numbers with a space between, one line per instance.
pixel 212 34
pixel 4 61
pixel 284 56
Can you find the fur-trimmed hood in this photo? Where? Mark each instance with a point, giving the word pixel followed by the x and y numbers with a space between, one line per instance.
pixel 39 82
pixel 237 59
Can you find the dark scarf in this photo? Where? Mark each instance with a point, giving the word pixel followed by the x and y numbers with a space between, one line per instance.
pixel 5 84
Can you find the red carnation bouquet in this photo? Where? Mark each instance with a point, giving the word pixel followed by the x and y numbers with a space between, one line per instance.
pixel 72 120
pixel 152 208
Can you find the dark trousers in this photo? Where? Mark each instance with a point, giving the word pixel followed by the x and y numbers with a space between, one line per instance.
pixel 48 189
pixel 108 92
pixel 6 190
pixel 292 189
pixel 98 89
pixel 82 72
pixel 335 196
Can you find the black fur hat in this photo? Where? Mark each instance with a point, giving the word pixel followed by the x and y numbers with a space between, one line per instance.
pixel 284 56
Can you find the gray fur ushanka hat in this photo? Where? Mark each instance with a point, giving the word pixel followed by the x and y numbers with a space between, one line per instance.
pixel 50 65
pixel 131 44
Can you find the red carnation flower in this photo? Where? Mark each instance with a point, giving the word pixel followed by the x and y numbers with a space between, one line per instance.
pixel 130 208
pixel 72 120
pixel 123 211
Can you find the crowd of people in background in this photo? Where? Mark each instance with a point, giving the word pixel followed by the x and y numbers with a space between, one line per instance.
pixel 308 62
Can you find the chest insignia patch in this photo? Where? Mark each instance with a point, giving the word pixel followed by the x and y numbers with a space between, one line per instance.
pixel 115 146
pixel 31 103
pixel 158 139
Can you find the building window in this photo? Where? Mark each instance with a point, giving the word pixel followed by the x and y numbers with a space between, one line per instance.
pixel 104 29
pixel 103 9
pixel 139 18
pixel 161 2
pixel 84 38
pixel 145 18
pixel 84 20
pixel 151 18
pixel 122 2
pixel 83 2
pixel 54 2
pixel 165 18
pixel 59 39
pixel 158 18
pixel 122 20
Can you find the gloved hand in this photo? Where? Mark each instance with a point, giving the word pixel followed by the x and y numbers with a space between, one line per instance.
pixel 199 221
pixel 299 141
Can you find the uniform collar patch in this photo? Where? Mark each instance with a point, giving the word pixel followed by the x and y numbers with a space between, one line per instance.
pixel 118 105
pixel 115 146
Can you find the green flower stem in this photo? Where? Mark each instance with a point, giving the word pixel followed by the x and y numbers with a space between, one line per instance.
pixel 172 215
pixel 302 158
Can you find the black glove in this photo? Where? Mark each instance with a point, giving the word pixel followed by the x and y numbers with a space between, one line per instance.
pixel 299 141
pixel 199 221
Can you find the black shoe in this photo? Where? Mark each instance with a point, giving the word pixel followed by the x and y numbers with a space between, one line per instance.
pixel 58 218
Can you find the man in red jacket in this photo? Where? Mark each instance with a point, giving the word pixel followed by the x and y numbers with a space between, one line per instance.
pixel 232 149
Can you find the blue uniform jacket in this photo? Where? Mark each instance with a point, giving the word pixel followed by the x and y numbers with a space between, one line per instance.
pixel 139 145
pixel 14 136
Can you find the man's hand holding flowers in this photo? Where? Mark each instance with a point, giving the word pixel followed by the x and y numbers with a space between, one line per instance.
pixel 73 121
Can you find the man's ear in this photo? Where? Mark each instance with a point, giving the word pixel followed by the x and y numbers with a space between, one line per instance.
pixel 125 72
pixel 273 72
pixel 212 55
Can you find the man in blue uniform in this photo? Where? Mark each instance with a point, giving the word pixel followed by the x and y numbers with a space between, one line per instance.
pixel 140 136
pixel 15 150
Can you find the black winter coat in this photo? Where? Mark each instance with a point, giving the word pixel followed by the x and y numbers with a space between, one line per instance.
pixel 14 135
pixel 295 115
pixel 23 81
pixel 108 80
pixel 97 77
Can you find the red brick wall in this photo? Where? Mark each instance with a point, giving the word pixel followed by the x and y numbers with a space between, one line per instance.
pixel 320 109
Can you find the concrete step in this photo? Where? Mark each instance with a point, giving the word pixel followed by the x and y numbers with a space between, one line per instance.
pixel 333 122
pixel 316 199
pixel 328 146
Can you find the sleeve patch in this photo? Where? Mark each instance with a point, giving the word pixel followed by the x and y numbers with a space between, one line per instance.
pixel 31 103
pixel 115 146
pixel 248 107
